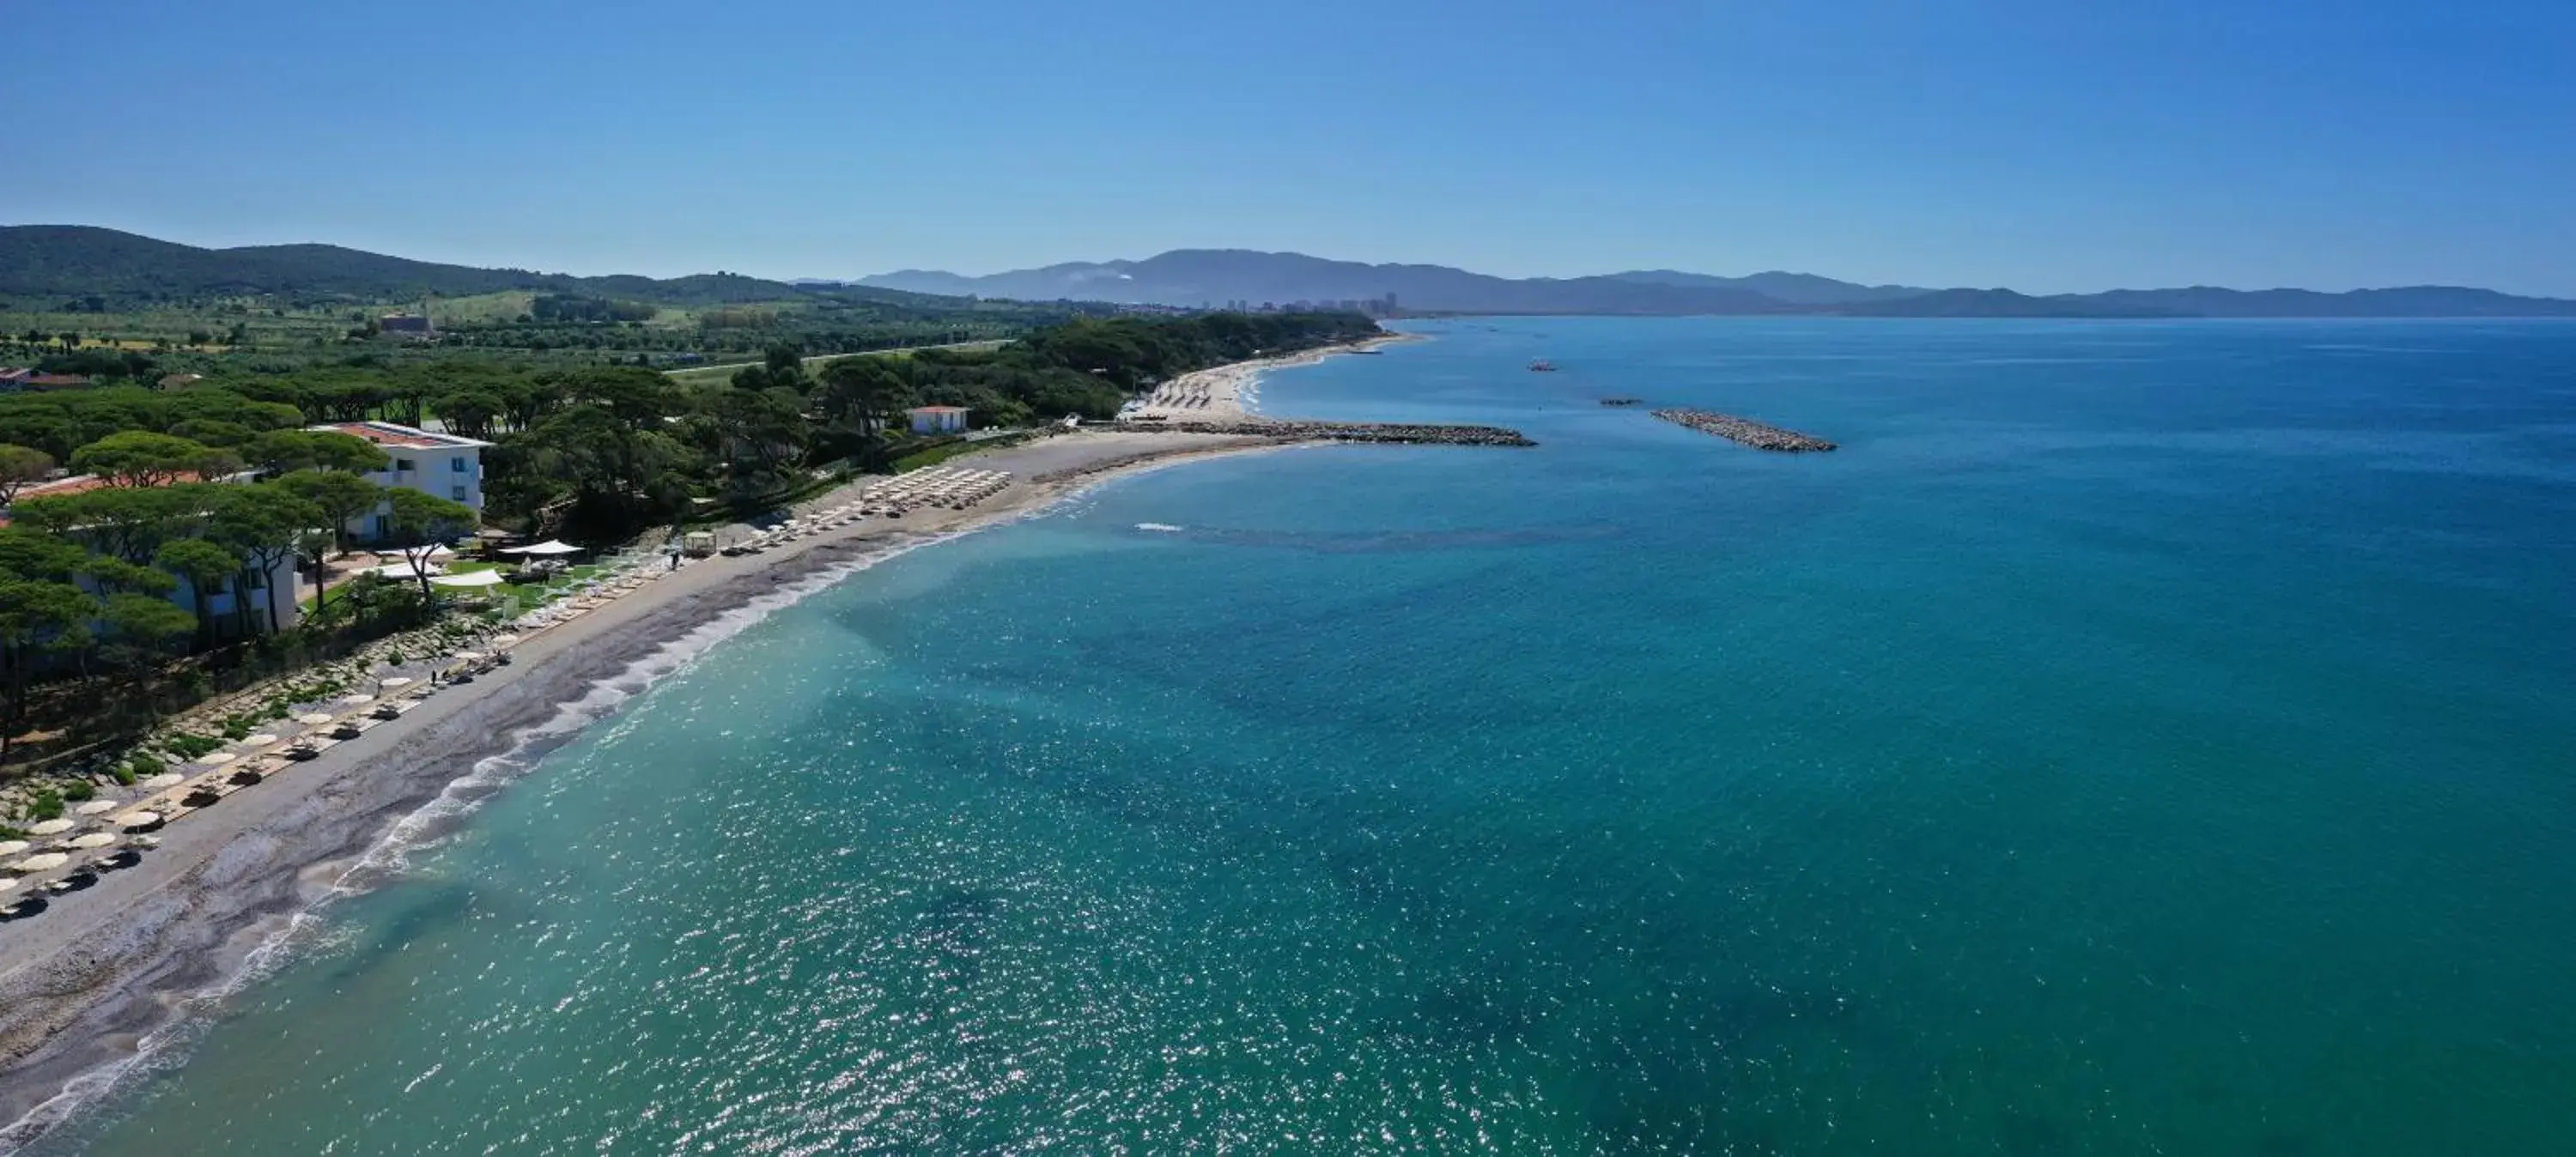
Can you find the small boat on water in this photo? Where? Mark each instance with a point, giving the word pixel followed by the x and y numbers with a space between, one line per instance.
pixel 1622 401
pixel 1542 366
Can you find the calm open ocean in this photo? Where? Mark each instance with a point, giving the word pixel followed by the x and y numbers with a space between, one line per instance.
pixel 2140 738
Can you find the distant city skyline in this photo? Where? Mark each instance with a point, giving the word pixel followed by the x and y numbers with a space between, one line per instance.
pixel 2329 147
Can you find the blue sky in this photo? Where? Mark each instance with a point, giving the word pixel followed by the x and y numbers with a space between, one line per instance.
pixel 2045 146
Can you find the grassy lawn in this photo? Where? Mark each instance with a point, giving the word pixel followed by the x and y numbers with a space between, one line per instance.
pixel 528 596
pixel 142 329
pixel 482 307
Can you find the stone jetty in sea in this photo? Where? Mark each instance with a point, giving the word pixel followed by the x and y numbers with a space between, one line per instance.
pixel 1298 430
pixel 1745 430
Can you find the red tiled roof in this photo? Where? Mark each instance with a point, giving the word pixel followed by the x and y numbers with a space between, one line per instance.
pixel 75 484
pixel 80 483
pixel 389 434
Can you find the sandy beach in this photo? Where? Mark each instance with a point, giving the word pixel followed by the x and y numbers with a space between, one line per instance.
pixel 1232 392
pixel 83 986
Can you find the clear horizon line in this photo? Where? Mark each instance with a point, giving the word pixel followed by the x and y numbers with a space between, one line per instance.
pixel 472 263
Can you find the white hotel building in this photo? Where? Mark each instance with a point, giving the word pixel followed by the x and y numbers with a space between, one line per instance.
pixel 443 465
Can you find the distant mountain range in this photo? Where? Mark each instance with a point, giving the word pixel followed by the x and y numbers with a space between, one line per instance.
pixel 50 263
pixel 1205 278
pixel 74 261
pixel 1215 277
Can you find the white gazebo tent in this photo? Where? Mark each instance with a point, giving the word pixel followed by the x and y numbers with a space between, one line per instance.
pixel 475 578
pixel 415 559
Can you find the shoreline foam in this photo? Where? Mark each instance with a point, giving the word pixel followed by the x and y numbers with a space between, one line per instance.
pixel 1232 391
pixel 112 992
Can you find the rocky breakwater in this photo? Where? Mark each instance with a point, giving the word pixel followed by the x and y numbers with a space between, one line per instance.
pixel 1746 431
pixel 1297 430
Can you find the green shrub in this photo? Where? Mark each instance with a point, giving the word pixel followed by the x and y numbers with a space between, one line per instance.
pixel 190 746
pixel 48 805
pixel 79 791
pixel 125 776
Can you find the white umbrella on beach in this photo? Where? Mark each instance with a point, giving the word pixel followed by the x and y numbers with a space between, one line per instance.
pixel 315 719
pixel 138 819
pixel 165 779
pixel 10 848
pixel 43 863
pixel 548 547
pixel 219 757
pixel 51 828
pixel 363 700
pixel 96 807
pixel 262 739
pixel 93 840
pixel 395 681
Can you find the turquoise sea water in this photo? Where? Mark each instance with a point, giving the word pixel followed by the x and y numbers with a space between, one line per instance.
pixel 2139 738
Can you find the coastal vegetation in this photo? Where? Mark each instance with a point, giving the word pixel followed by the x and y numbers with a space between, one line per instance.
pixel 182 382
pixel 211 485
pixel 99 303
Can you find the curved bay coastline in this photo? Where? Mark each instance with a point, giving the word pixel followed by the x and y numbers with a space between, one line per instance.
pixel 109 978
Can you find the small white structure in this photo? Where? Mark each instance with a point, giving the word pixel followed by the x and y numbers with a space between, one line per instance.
pixel 937 419
pixel 443 465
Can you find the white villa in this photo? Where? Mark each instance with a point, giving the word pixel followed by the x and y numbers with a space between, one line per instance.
pixel 444 465
pixel 937 419
pixel 221 602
